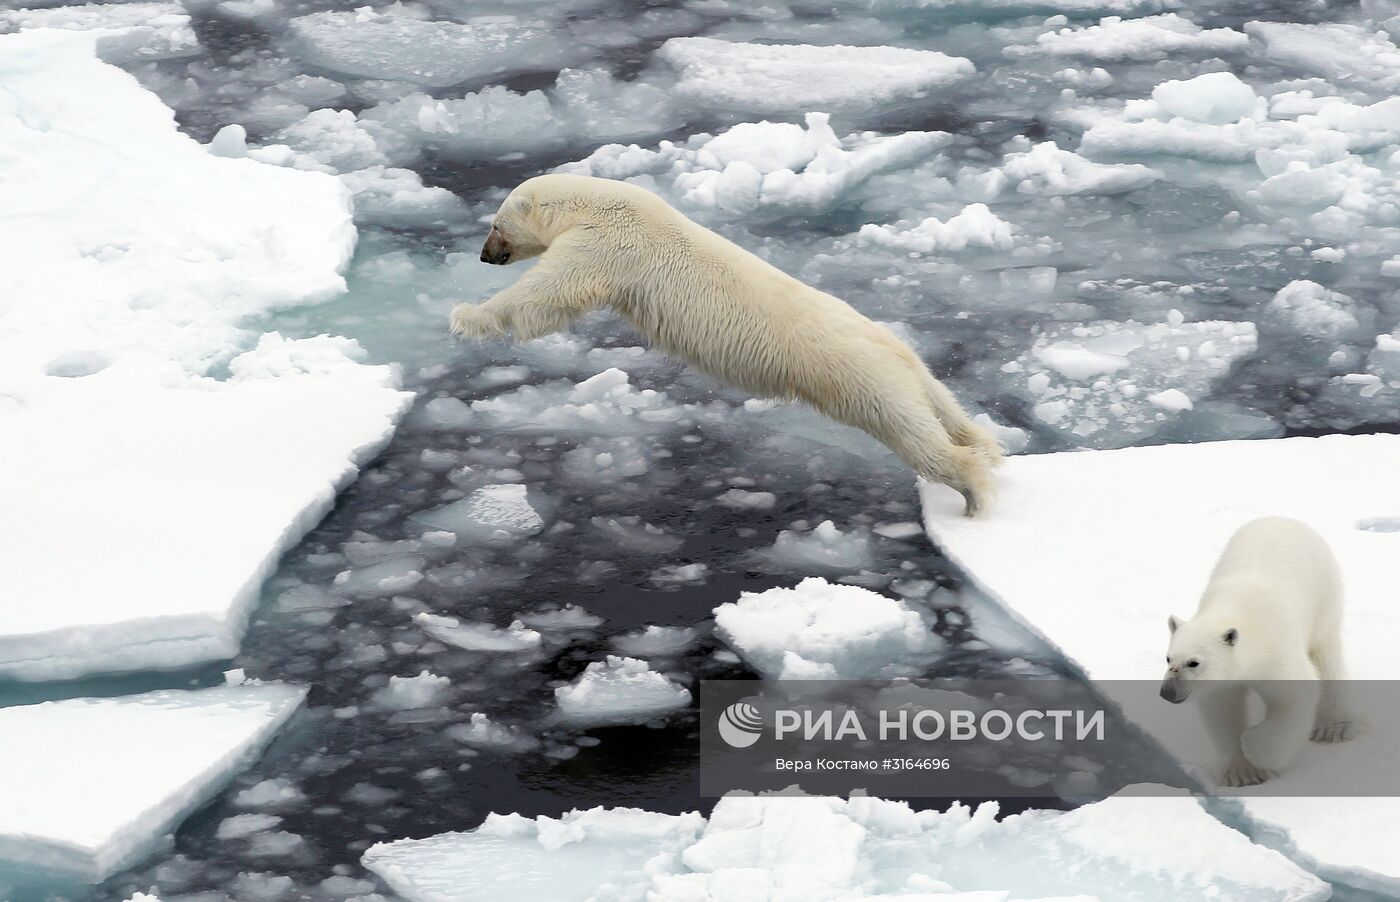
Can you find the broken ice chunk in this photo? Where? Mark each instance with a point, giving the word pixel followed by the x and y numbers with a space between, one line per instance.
pixel 491 512
pixel 418 691
pixel 1310 310
pixel 1214 98
pixel 826 547
pixel 1107 384
pixel 821 630
pixel 778 78
pixel 478 636
pixel 763 166
pixel 975 226
pixel 93 785
pixel 619 690
pixel 1148 38
pixel 656 641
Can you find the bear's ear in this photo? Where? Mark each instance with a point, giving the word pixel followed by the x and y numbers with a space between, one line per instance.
pixel 1231 636
pixel 1172 623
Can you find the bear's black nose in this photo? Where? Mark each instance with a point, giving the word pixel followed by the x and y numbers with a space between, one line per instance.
pixel 1172 693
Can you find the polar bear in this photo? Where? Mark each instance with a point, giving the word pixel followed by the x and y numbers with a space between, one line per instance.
pixel 697 296
pixel 1269 621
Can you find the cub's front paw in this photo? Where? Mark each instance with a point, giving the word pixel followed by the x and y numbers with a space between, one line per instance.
pixel 471 321
pixel 1240 772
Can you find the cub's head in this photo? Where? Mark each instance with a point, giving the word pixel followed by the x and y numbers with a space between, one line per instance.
pixel 541 209
pixel 1199 650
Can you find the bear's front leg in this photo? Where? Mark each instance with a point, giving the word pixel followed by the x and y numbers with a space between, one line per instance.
pixel 477 321
pixel 1291 706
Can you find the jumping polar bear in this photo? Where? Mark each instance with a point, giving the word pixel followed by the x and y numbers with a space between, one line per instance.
pixel 697 296
pixel 1270 620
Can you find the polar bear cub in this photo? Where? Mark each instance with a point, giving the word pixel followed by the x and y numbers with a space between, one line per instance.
pixel 698 296
pixel 1269 621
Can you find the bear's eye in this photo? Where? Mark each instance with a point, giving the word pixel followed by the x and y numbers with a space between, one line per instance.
pixel 1193 664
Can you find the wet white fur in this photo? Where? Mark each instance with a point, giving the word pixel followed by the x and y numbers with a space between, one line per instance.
pixel 706 300
pixel 1278 586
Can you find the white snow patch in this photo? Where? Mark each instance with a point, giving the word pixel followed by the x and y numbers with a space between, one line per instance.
pixel 491 512
pixel 478 636
pixel 976 226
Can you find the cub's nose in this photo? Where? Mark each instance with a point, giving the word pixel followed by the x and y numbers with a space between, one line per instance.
pixel 1172 692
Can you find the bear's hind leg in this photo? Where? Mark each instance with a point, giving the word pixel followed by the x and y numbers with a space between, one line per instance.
pixel 919 437
pixel 959 425
pixel 1334 721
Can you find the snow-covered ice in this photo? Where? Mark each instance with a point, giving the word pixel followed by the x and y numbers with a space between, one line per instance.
pixel 125 32
pixel 778 78
pixel 92 785
pixel 822 630
pixel 128 284
pixel 619 690
pixel 599 853
pixel 1153 521
pixel 817 848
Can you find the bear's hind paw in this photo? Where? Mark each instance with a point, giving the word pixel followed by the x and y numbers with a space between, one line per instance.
pixel 1333 731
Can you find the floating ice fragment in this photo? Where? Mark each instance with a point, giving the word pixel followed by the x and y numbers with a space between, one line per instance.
pixel 619 690
pixel 419 691
pixel 821 630
pixel 493 511
pixel 478 636
pixel 825 547
pixel 779 78
pixel 1148 38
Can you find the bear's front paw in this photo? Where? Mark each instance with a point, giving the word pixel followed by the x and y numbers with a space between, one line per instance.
pixel 471 321
pixel 1240 772
pixel 1333 731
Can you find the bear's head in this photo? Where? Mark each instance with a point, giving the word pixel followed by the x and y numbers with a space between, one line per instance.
pixel 1200 649
pixel 515 232
pixel 541 209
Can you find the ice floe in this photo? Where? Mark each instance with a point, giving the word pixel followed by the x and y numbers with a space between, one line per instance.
pixel 1155 519
pixel 377 45
pixel 579 855
pixel 137 258
pixel 822 630
pixel 92 785
pixel 816 848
